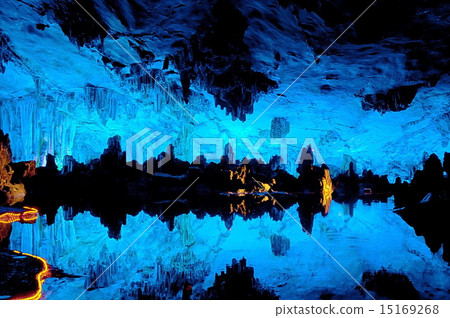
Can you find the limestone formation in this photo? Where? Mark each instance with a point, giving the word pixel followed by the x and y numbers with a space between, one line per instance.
pixel 12 190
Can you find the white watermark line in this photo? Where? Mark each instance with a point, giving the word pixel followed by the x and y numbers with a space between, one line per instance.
pixel 137 62
pixel 315 60
pixel 140 235
pixel 315 240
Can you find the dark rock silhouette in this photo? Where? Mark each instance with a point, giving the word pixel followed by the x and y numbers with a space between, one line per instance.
pixel 395 99
pixel 447 163
pixel 424 204
pixel 390 285
pixel 74 22
pixel 367 187
pixel 430 178
pixel 238 283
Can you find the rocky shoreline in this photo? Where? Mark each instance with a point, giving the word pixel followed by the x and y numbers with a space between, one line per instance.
pixel 21 275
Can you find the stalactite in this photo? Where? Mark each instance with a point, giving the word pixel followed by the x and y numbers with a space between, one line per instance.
pixel 169 281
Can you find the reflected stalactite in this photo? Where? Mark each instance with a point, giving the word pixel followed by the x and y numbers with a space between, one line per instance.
pixel 348 207
pixel 327 191
pixel 280 244
pixel 309 206
pixel 239 208
pixel 247 202
pixel 184 227
pixel 306 214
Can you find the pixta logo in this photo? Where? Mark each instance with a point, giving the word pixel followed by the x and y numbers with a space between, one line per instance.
pixel 142 146
pixel 146 142
pixel 309 150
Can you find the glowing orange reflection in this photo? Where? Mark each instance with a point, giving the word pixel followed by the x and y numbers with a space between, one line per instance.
pixel 40 278
pixel 28 216
pixel 327 191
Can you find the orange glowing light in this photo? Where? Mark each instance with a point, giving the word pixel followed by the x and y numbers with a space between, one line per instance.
pixel 327 191
pixel 28 216
pixel 40 278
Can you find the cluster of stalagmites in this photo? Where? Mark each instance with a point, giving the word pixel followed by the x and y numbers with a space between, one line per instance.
pixel 180 279
pixel 111 188
pixel 238 283
pixel 350 185
pixel 388 285
pixel 12 175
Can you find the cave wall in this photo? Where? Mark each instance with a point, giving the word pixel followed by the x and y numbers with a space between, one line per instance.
pixel 379 95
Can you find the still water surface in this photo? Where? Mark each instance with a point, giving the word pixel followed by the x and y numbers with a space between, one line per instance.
pixel 365 238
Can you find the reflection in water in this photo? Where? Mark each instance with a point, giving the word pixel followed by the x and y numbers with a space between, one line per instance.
pixel 40 278
pixel 11 215
pixel 28 216
pixel 326 191
pixel 185 250
pixel 247 205
pixel 307 208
